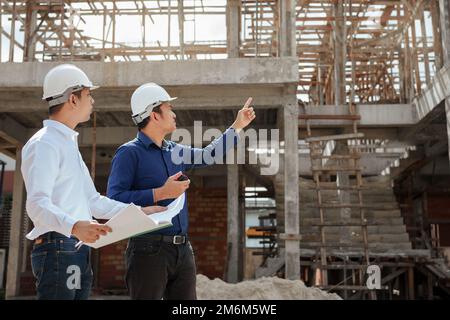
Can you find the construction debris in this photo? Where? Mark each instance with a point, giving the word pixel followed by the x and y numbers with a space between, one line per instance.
pixel 265 288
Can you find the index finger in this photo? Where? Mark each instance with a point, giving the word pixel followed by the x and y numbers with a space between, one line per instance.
pixel 248 103
pixel 104 227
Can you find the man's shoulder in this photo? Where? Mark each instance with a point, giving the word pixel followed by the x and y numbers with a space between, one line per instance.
pixel 43 137
pixel 130 147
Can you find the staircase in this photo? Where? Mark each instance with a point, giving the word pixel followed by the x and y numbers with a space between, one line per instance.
pixel 387 236
pixel 385 228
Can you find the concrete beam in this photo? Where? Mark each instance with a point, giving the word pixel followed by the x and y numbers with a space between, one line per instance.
pixel 193 97
pixel 166 73
pixel 383 115
pixel 12 131
pixel 437 91
pixel 115 136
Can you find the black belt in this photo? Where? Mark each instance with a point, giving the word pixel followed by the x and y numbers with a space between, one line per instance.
pixel 177 239
pixel 52 235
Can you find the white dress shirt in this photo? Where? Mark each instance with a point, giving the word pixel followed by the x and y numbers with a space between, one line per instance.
pixel 60 190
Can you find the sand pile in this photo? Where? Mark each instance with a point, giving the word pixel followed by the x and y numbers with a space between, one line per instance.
pixel 266 288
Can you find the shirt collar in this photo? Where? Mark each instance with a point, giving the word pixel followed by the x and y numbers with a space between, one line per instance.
pixel 147 141
pixel 60 127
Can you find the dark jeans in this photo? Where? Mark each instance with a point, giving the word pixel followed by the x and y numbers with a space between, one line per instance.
pixel 61 272
pixel 160 270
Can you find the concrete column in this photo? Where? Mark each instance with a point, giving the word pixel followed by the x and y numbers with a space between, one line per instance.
pixel 233 22
pixel 234 227
pixel 16 237
pixel 339 36
pixel 30 36
pixel 288 45
pixel 291 196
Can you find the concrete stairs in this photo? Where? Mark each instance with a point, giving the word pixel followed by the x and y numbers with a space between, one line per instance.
pixel 386 228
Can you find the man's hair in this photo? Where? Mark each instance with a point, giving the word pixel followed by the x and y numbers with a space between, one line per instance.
pixel 144 122
pixel 55 109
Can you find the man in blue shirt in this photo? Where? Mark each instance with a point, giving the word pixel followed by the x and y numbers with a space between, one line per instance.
pixel 147 171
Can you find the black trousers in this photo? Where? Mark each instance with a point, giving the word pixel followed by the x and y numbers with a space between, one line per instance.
pixel 160 270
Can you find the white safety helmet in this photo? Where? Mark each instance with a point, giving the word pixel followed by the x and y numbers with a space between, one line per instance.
pixel 61 81
pixel 145 98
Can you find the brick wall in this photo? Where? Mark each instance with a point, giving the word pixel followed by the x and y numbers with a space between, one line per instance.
pixel 111 274
pixel 208 229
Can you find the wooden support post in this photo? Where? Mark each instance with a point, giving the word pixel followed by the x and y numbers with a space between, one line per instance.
pixel 181 27
pixel 288 44
pixel 291 196
pixel 339 42
pixel 426 58
pixel 437 43
pixel 169 20
pixel 233 21
pixel 13 33
pixel 113 28
pixel 415 56
pixel 430 294
pixel 411 293
pixel 409 83
pixel 15 255
pixel 233 219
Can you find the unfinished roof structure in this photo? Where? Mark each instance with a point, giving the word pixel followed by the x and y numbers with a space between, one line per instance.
pixel 358 89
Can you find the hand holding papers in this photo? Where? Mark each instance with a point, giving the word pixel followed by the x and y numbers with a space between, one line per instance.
pixel 131 221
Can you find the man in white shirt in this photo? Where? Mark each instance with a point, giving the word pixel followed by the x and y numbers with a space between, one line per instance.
pixel 61 196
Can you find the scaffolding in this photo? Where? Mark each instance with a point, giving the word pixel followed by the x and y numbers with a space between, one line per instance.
pixel 373 51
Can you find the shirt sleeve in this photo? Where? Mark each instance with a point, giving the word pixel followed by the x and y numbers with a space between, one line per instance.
pixel 120 181
pixel 40 169
pixel 200 157
pixel 101 207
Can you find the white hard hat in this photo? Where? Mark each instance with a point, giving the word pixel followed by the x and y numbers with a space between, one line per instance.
pixel 63 80
pixel 145 98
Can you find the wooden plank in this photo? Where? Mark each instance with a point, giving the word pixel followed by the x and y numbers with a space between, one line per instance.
pixel 352 205
pixel 329 117
pixel 337 156
pixel 336 169
pixel 342 287
pixel 336 137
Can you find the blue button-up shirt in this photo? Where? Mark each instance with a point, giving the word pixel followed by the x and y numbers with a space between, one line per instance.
pixel 140 165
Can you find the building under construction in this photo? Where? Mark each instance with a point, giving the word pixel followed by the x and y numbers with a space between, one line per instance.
pixel 358 89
